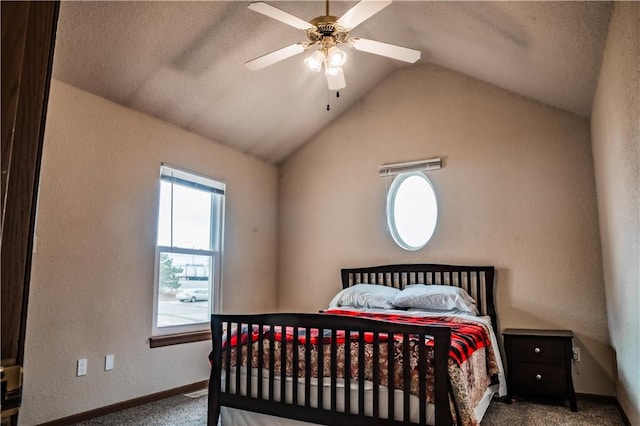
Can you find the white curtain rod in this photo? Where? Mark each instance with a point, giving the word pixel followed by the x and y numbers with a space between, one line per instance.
pixel 410 166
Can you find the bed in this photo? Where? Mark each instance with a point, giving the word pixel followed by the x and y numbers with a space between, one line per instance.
pixel 334 368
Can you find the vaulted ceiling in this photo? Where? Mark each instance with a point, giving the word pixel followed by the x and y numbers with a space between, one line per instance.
pixel 183 62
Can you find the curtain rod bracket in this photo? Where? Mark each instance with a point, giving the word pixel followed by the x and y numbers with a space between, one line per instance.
pixel 410 166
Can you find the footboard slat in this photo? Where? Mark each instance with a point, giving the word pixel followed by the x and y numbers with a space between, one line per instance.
pixel 249 356
pixel 376 374
pixel 361 390
pixel 272 371
pixel 422 379
pixel 320 369
pixel 441 378
pixel 294 369
pixel 407 377
pixel 391 384
pixel 307 368
pixel 227 375
pixel 238 358
pixel 260 360
pixel 283 369
pixel 334 370
pixel 347 371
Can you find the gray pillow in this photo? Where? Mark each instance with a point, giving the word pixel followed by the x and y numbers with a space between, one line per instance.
pixel 366 296
pixel 436 297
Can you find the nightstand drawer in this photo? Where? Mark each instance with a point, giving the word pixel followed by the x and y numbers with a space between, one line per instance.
pixel 538 379
pixel 538 350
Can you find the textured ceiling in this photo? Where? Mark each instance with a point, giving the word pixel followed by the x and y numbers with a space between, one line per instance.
pixel 183 62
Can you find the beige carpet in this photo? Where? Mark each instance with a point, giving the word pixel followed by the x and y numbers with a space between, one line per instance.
pixel 529 413
pixel 185 411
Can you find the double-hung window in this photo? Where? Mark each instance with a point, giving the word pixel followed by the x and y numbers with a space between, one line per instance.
pixel 188 251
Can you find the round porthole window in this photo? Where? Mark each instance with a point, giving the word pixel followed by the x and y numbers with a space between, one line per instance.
pixel 412 210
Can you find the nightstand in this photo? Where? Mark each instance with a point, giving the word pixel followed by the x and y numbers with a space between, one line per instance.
pixel 539 363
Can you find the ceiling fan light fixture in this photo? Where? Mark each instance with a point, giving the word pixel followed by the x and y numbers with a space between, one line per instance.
pixel 333 71
pixel 315 61
pixel 336 57
pixel 335 78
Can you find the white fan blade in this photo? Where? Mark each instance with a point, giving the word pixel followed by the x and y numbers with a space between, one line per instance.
pixel 385 49
pixel 280 15
pixel 362 11
pixel 275 56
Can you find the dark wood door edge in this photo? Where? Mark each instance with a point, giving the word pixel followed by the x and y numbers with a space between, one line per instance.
pixel 22 141
pixel 76 418
pixel 28 40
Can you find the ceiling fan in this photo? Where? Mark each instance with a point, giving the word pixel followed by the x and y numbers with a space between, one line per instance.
pixel 328 33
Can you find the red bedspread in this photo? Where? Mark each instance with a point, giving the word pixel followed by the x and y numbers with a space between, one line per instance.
pixel 466 337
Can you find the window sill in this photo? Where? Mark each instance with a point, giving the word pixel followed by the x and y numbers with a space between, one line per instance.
pixel 178 339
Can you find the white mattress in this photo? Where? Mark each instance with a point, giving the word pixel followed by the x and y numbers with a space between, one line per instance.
pixel 236 417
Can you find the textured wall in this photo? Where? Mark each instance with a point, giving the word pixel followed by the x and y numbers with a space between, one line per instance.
pixel 615 127
pixel 517 191
pixel 92 286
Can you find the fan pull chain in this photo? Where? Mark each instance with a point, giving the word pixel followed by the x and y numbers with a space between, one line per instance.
pixel 337 96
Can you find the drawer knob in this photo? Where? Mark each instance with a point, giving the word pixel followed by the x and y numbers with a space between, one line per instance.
pixel 538 377
pixel 537 350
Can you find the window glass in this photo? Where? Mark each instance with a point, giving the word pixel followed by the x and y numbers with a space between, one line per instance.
pixel 187 252
pixel 186 280
pixel 412 210
pixel 188 223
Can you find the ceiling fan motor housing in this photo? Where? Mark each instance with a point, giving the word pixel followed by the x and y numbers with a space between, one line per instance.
pixel 325 27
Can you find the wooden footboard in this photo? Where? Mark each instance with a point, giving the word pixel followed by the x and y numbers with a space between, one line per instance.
pixel 228 387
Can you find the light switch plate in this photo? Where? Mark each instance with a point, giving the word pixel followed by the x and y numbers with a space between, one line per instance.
pixel 82 367
pixel 108 362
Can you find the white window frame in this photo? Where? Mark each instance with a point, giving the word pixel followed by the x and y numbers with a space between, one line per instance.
pixel 216 233
pixel 391 217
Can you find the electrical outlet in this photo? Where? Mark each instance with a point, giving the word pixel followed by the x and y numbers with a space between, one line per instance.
pixel 576 354
pixel 82 367
pixel 108 362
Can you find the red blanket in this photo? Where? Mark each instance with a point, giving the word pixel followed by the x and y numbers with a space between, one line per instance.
pixel 466 336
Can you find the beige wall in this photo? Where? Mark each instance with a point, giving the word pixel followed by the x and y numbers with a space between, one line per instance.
pixel 615 127
pixel 517 191
pixel 92 286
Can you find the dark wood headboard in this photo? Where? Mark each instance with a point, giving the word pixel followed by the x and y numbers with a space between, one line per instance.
pixel 478 281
